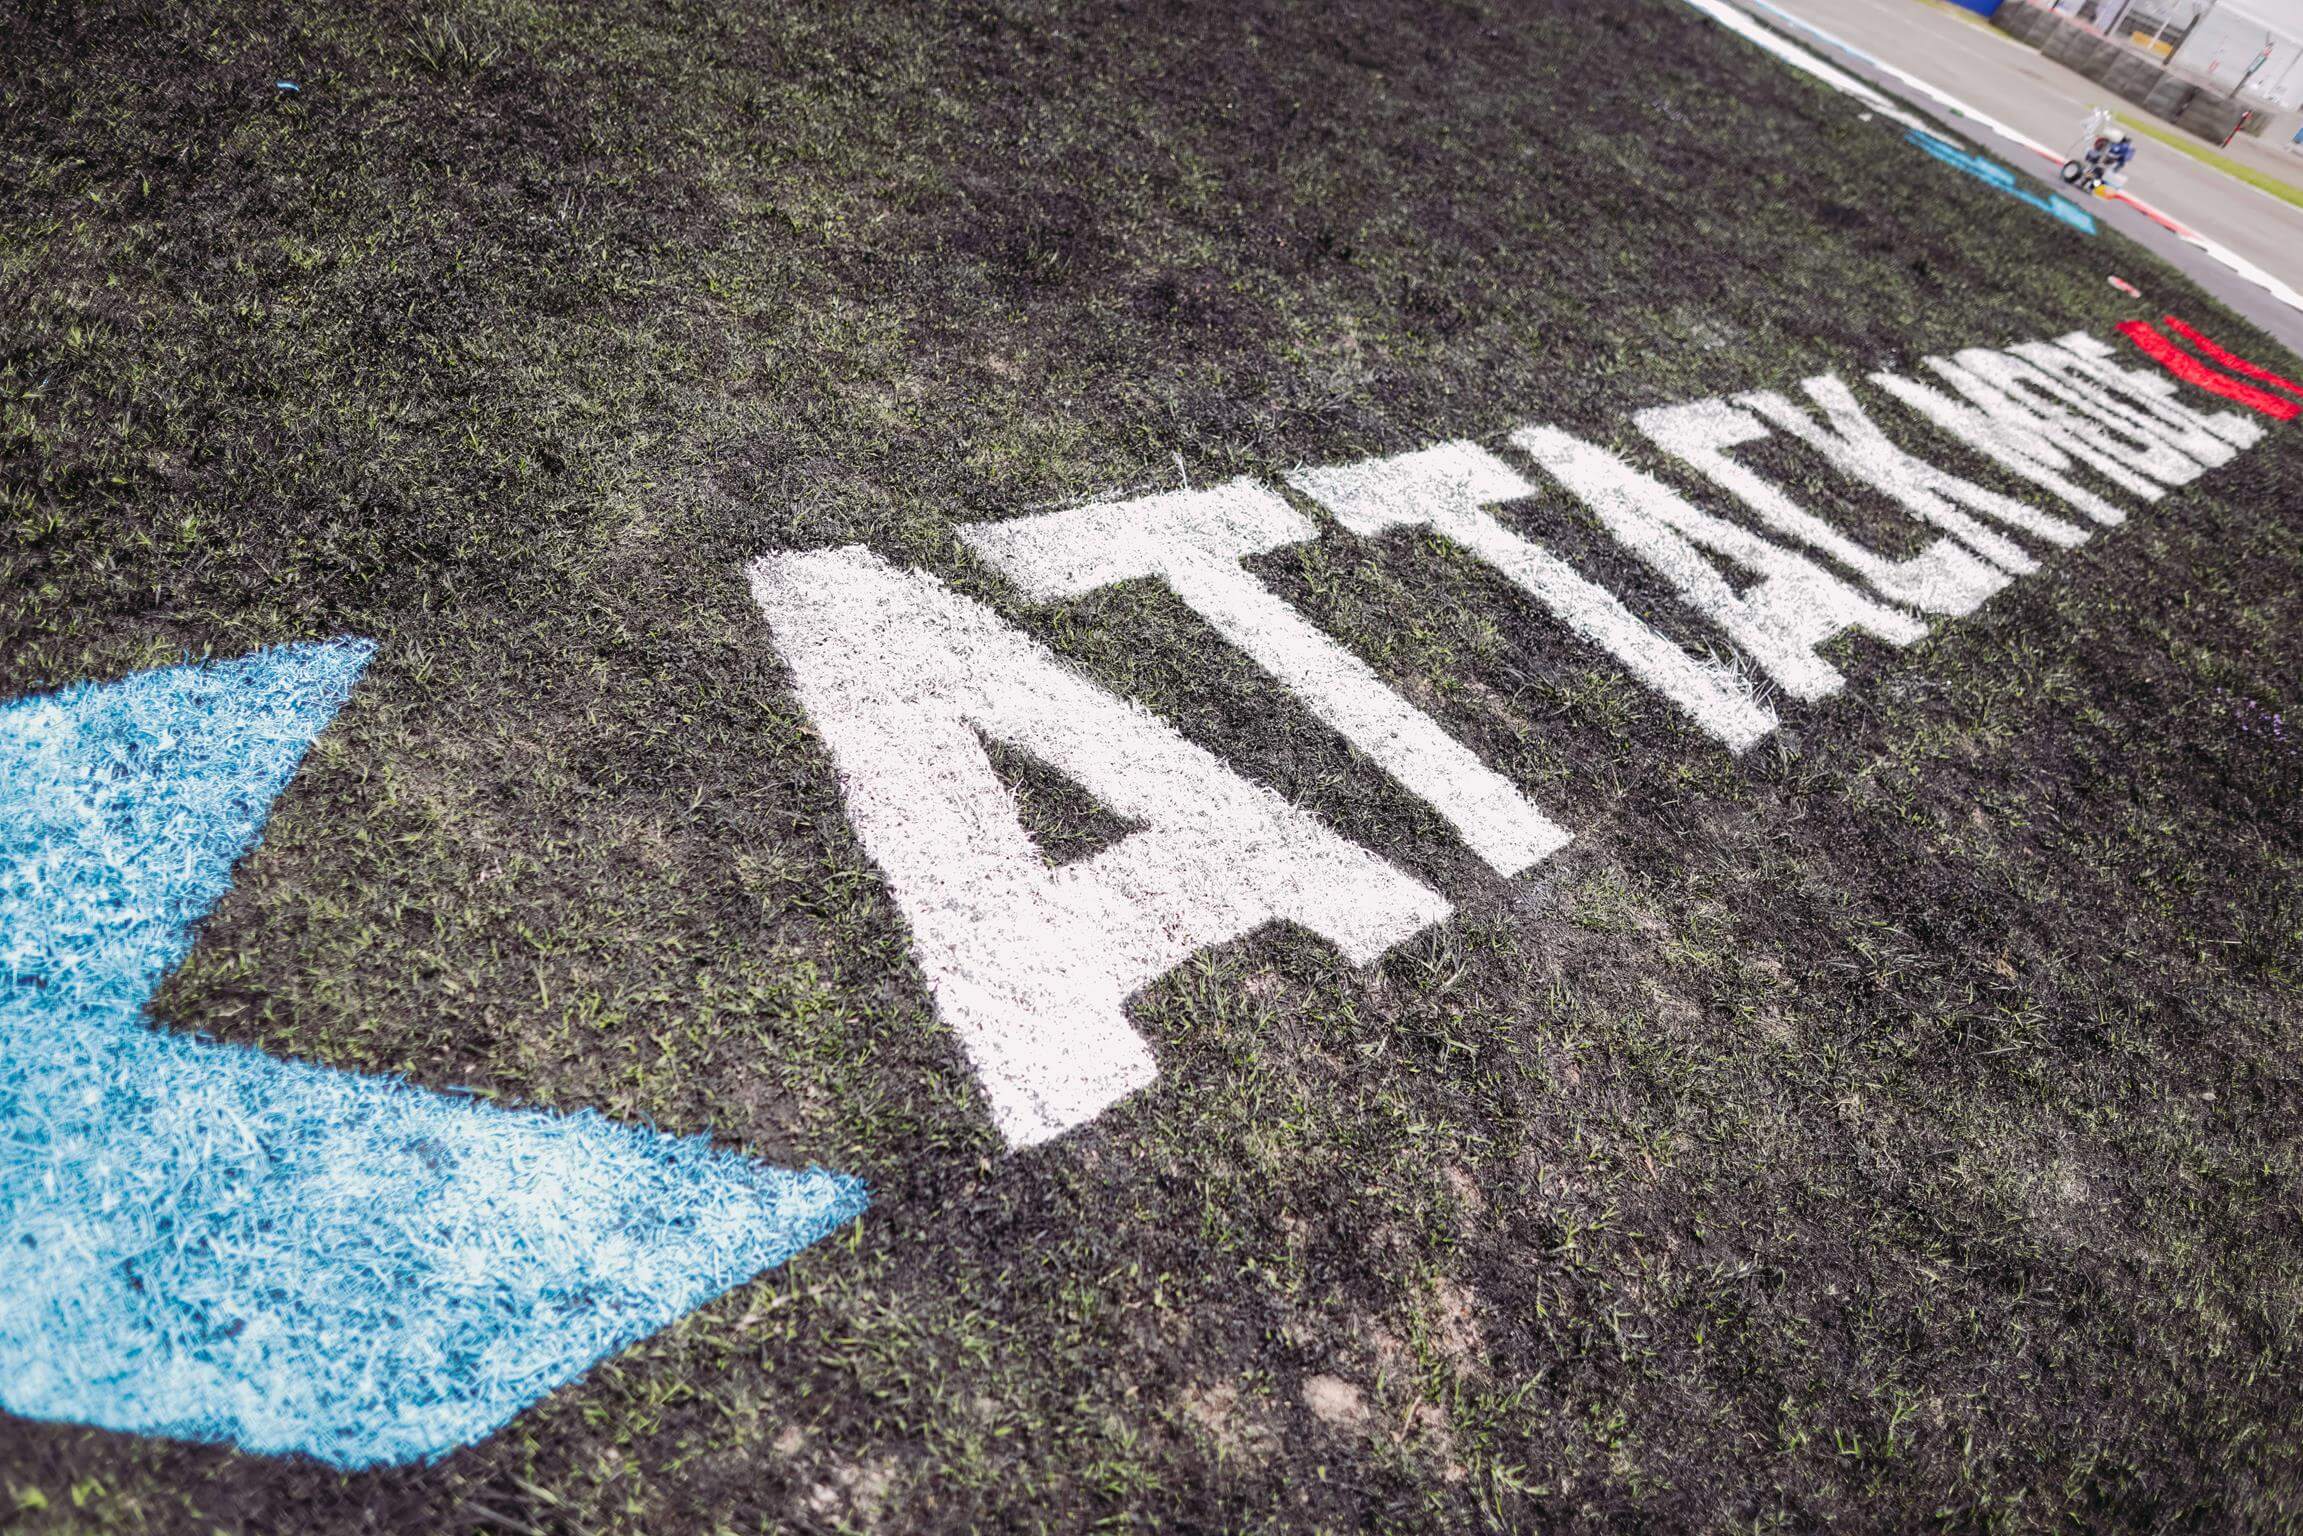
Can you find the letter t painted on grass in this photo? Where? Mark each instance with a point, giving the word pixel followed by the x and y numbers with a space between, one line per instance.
pixel 1195 541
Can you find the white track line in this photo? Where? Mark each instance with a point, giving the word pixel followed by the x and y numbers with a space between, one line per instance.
pixel 1800 59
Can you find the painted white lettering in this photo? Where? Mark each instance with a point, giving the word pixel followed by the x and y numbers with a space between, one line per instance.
pixel 2000 437
pixel 2214 438
pixel 2026 414
pixel 2081 419
pixel 1031 966
pixel 1794 606
pixel 1449 489
pixel 1856 446
pixel 1943 578
pixel 1194 541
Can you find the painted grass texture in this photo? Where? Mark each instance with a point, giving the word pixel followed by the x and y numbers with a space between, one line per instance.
pixel 1890 1125
pixel 211 1244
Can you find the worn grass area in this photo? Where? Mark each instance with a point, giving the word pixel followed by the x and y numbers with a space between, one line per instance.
pixel 1894 1127
pixel 2206 154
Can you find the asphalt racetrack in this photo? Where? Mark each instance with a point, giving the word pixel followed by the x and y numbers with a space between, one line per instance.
pixel 1958 53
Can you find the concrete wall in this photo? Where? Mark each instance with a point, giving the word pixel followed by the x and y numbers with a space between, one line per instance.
pixel 2226 41
pixel 2190 98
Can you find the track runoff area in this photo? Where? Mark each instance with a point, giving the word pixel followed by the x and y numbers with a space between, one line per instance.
pixel 385 1277
pixel 484 1257
pixel 1032 966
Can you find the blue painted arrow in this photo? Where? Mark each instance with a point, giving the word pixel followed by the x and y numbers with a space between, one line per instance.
pixel 1991 173
pixel 202 1241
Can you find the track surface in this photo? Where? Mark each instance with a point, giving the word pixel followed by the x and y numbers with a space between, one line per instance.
pixel 2029 92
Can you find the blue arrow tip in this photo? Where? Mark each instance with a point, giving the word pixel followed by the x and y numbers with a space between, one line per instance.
pixel 213 1244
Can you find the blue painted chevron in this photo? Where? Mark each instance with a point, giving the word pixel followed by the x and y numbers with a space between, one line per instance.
pixel 205 1242
pixel 1990 172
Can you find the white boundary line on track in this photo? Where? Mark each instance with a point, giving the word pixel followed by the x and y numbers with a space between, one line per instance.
pixel 1799 58
pixel 1838 79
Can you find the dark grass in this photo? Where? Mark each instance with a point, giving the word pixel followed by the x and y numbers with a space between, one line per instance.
pixel 1892 1128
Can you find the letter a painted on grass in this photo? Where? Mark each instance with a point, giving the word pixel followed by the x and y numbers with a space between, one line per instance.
pixel 205 1242
pixel 1032 966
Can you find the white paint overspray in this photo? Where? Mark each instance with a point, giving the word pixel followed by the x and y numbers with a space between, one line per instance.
pixel 1945 577
pixel 1795 605
pixel 2084 422
pixel 1449 489
pixel 1855 445
pixel 1194 541
pixel 2023 453
pixel 2214 438
pixel 1031 966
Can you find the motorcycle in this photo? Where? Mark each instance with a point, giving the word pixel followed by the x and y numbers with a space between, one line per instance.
pixel 2098 159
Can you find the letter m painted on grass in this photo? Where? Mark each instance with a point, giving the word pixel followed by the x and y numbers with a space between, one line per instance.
pixel 206 1242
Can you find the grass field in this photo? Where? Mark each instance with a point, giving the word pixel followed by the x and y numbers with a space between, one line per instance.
pixel 1892 1127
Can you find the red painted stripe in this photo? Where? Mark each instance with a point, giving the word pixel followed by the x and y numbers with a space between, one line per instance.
pixel 2153 214
pixel 2192 371
pixel 2231 362
pixel 2172 226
